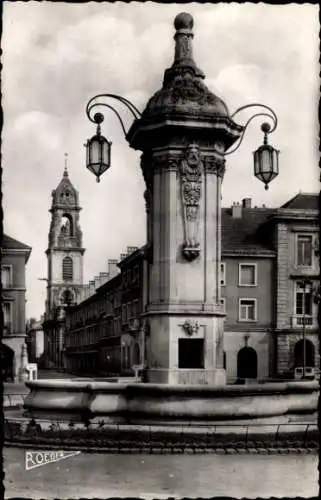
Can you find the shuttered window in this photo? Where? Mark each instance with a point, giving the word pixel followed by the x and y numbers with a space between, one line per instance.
pixel 67 269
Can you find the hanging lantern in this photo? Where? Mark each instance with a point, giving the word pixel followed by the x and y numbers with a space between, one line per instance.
pixel 98 151
pixel 266 160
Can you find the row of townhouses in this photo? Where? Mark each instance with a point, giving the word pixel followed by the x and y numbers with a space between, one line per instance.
pixel 270 292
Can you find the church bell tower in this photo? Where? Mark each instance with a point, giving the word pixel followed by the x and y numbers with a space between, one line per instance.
pixel 65 266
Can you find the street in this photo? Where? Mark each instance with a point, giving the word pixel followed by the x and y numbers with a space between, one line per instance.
pixel 121 475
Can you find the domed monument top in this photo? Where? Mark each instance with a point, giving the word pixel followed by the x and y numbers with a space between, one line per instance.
pixel 183 21
pixel 183 90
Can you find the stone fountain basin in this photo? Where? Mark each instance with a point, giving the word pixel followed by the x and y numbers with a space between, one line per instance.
pixel 170 404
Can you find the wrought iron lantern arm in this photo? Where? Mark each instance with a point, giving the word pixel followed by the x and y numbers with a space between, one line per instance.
pixel 266 161
pixel 270 115
pixel 98 147
pixel 92 103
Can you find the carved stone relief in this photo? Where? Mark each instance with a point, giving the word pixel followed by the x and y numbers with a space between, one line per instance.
pixel 191 169
pixel 191 327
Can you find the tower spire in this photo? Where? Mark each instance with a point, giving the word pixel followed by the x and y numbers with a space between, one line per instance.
pixel 66 165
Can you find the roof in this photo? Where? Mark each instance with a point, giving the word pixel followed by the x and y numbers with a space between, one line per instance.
pixel 242 234
pixel 9 243
pixel 65 195
pixel 250 233
pixel 303 201
pixel 196 97
pixel 128 260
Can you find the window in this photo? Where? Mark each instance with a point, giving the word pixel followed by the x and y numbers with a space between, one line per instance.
pixel 304 250
pixel 124 313
pixel 136 307
pixel 126 277
pixel 7 315
pixel 247 309
pixel 135 273
pixel 67 298
pixel 6 276
pixel 223 274
pixel 67 269
pixel 303 299
pixel 247 275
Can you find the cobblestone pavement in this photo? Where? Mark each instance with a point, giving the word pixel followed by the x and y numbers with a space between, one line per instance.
pixel 150 476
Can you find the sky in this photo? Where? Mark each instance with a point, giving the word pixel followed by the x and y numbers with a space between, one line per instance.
pixel 57 55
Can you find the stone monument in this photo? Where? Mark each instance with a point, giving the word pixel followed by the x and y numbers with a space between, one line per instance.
pixel 183 134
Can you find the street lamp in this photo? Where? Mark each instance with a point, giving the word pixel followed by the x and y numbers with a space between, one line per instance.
pixel 266 157
pixel 98 150
pixel 266 160
pixel 305 283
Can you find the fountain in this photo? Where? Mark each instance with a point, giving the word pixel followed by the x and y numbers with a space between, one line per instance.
pixel 184 133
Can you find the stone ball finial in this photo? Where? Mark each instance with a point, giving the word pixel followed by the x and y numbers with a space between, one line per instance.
pixel 183 21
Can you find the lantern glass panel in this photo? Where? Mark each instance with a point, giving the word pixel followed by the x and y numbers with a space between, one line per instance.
pixel 95 168
pixel 266 176
pixel 95 151
pixel 275 162
pixel 106 153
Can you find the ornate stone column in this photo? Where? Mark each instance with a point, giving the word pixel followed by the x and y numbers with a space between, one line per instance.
pixel 183 134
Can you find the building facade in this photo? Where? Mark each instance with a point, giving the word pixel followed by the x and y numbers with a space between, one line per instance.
pixel 296 231
pixel 35 342
pixel 104 334
pixel 65 268
pixel 14 257
pixel 248 270
pixel 266 252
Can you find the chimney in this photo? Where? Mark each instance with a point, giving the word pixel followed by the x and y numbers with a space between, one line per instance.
pixel 112 268
pixel 131 250
pixel 123 256
pixel 86 291
pixel 97 282
pixel 91 287
pixel 236 211
pixel 247 202
pixel 82 294
pixel 104 277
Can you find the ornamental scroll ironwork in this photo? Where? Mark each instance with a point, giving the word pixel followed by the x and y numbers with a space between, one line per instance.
pixel 191 327
pixel 191 170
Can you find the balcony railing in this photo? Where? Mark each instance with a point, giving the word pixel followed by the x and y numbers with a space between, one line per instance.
pixel 299 320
